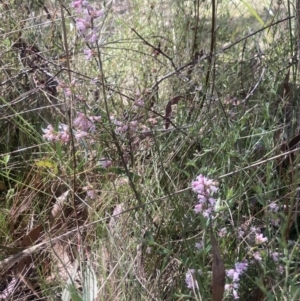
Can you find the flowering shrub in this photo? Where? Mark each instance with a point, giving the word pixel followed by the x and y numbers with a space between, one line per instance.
pixel 205 189
pixel 160 120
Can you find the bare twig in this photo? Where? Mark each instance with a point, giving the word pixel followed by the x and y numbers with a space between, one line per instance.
pixel 157 49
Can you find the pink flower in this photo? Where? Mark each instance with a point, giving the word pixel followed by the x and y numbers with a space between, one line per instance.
pixel 202 199
pixel 274 207
pixel 274 256
pixel 118 209
pixel 197 187
pixel 208 212
pixel 95 118
pixel 190 280
pixel 90 191
pixel 199 245
pixel 140 103
pixel 198 208
pixel 50 134
pixel 227 287
pixel 233 287
pixel 83 24
pixel 241 232
pixel 230 273
pixel 91 194
pixel 260 239
pixel 86 4
pixel 121 129
pixel 222 232
pixel 241 267
pixel 68 92
pixel 89 53
pixel 212 202
pixel 64 133
pixel 205 187
pixel 234 274
pixel 235 294
pixel 96 13
pixel 280 269
pixel 257 256
pixel 116 122
pixel 105 163
pixel 92 37
pixel 80 134
pixel 85 123
pixel 78 5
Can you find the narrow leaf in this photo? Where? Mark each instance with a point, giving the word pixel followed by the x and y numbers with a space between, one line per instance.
pixel 253 12
pixel 90 288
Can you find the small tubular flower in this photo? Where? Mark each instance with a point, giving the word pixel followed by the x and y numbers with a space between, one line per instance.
pixel 83 24
pixel 89 53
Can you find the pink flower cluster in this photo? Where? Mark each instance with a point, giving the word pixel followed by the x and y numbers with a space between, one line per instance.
pixel 86 24
pixel 124 127
pixel 83 125
pixel 205 188
pixel 234 275
pixel 62 135
pixel 260 239
pixel 67 88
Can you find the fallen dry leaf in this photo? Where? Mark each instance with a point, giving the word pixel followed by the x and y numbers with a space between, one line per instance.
pixel 27 241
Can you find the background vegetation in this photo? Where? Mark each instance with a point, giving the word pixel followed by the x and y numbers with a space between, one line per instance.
pixel 109 111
